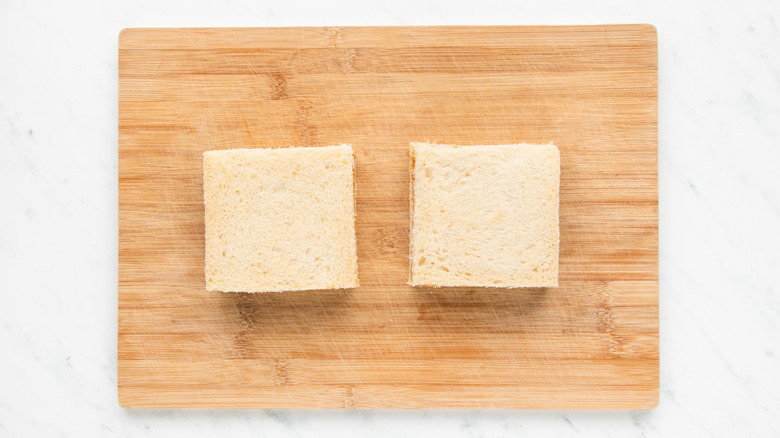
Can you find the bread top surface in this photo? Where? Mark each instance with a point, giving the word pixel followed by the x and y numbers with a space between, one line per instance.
pixel 484 215
pixel 280 219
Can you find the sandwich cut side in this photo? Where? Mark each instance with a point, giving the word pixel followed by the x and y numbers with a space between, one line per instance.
pixel 280 219
pixel 484 216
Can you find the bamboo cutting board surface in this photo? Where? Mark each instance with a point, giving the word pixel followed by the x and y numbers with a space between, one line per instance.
pixel 591 343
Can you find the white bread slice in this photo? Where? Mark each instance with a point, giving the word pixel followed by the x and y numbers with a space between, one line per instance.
pixel 484 216
pixel 280 219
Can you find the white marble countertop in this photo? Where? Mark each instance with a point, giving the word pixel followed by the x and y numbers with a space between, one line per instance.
pixel 719 77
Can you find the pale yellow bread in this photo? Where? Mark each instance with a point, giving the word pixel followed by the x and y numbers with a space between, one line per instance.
pixel 280 219
pixel 484 216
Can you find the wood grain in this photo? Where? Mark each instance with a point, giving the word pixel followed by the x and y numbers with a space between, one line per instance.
pixel 591 343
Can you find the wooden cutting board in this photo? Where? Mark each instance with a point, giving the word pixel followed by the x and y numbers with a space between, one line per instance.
pixel 591 343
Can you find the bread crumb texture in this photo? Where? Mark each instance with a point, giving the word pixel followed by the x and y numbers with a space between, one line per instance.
pixel 280 219
pixel 484 216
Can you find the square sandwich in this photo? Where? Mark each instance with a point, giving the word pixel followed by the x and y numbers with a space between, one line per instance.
pixel 280 219
pixel 484 216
